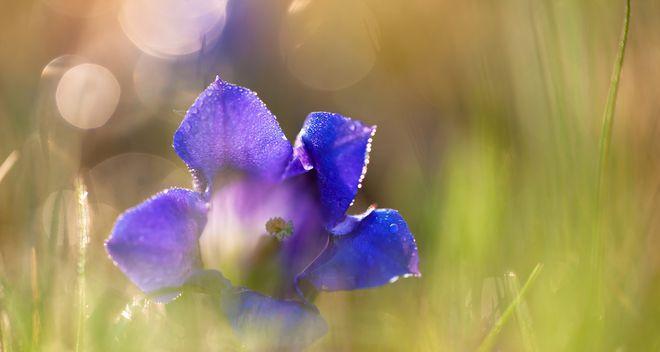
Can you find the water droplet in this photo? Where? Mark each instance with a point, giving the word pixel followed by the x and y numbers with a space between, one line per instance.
pixel 394 228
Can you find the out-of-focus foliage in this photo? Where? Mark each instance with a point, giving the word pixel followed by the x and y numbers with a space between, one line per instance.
pixel 488 117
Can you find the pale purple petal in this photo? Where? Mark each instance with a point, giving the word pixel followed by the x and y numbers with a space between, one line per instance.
pixel 236 232
pixel 156 243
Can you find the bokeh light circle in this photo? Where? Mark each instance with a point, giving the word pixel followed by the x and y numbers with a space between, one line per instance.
pixel 87 95
pixel 170 28
pixel 329 45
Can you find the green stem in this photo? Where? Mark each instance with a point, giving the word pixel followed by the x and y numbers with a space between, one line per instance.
pixel 489 341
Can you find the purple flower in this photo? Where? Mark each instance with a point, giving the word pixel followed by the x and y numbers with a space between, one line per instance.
pixel 291 200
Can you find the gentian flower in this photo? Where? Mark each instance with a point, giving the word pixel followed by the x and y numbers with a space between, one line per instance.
pixel 292 198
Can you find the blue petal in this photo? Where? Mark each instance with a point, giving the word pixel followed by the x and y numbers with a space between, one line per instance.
pixel 378 250
pixel 338 148
pixel 264 323
pixel 230 127
pixel 156 243
pixel 300 162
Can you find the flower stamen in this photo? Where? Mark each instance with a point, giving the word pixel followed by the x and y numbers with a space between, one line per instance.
pixel 279 228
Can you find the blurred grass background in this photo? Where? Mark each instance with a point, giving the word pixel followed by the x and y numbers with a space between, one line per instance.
pixel 488 115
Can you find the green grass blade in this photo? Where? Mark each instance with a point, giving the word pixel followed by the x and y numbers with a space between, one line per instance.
pixel 83 240
pixel 489 341
pixel 36 299
pixel 6 332
pixel 610 105
pixel 522 314
pixel 597 244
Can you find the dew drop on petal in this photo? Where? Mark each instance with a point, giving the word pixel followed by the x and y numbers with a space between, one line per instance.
pixel 394 228
pixel 186 127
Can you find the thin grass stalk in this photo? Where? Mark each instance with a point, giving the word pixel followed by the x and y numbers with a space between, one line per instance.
pixel 610 104
pixel 522 315
pixel 7 164
pixel 488 342
pixel 5 326
pixel 5 330
pixel 36 299
pixel 597 243
pixel 83 240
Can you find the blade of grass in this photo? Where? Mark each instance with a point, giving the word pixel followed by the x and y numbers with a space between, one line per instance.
pixel 610 104
pixel 5 325
pixel 83 240
pixel 6 332
pixel 489 341
pixel 522 314
pixel 36 304
pixel 7 164
pixel 604 150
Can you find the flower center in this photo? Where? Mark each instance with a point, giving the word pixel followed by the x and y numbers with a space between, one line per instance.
pixel 279 228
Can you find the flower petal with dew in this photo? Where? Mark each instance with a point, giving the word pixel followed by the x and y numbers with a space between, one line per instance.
pixel 377 250
pixel 337 147
pixel 228 126
pixel 156 243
